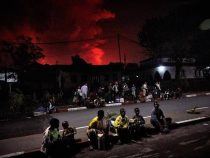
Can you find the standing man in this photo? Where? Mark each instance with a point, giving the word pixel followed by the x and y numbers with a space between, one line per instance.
pixel 158 89
pixel 157 84
pixel 144 89
pixel 84 92
pixel 115 89
pixel 143 92
pixel 133 91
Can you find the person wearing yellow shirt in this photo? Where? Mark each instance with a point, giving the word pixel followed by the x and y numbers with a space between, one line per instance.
pixel 122 123
pixel 97 130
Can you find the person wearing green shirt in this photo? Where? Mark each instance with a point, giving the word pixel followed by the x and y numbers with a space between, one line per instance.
pixel 51 144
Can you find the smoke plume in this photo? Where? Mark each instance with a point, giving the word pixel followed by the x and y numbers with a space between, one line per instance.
pixel 53 20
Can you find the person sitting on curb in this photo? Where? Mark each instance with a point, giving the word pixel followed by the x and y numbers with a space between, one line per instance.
pixel 158 119
pixel 68 138
pixel 121 123
pixel 51 107
pixel 97 131
pixel 51 144
pixel 137 125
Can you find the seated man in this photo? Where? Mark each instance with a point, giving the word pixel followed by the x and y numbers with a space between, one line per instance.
pixel 137 126
pixel 50 107
pixel 97 131
pixel 158 119
pixel 121 123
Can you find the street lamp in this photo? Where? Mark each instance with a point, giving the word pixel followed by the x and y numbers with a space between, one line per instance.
pixel 205 25
pixel 161 69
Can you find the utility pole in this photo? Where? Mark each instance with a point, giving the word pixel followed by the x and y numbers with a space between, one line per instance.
pixel 124 62
pixel 124 59
pixel 118 43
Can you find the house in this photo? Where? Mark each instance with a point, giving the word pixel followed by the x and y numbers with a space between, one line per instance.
pixel 165 69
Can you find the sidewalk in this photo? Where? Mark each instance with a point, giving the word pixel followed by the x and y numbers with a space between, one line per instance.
pixel 83 144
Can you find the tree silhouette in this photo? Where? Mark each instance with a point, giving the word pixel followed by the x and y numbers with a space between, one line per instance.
pixel 165 37
pixel 77 60
pixel 201 47
pixel 173 35
pixel 23 52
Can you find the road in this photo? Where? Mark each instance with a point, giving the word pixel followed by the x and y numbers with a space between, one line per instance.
pixel 178 106
pixel 174 108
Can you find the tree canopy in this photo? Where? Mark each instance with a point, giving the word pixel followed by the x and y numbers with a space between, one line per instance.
pixel 20 53
pixel 177 35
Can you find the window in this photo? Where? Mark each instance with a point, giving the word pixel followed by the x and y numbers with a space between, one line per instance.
pixel 167 76
pixel 157 76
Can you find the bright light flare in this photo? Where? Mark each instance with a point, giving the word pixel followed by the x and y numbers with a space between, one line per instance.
pixel 161 69
pixel 205 25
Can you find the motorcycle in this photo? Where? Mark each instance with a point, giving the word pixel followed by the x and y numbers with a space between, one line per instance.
pixel 168 94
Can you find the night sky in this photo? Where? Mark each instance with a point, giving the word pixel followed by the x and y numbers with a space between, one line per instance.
pixel 76 20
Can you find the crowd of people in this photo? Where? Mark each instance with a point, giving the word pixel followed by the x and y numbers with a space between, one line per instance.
pixel 120 91
pixel 102 132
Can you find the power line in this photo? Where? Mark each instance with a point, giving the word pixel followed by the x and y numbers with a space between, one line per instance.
pixel 78 41
pixel 117 36
pixel 130 40
pixel 68 41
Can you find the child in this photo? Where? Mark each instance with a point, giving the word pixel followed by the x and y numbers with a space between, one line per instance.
pixel 138 125
pixel 68 136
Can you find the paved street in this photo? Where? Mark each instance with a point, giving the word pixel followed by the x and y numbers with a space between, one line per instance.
pixel 81 118
pixel 174 108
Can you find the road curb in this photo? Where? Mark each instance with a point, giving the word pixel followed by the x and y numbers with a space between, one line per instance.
pixel 77 109
pixel 197 94
pixel 67 109
pixel 190 122
pixel 113 104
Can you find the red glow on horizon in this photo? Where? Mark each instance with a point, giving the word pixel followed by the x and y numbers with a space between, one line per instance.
pixel 94 56
pixel 76 20
pixel 98 54
pixel 42 61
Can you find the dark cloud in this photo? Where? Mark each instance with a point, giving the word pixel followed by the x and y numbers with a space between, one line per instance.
pixel 52 20
pixel 62 20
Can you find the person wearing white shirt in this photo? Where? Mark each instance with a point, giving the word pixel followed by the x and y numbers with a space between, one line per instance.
pixel 84 90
